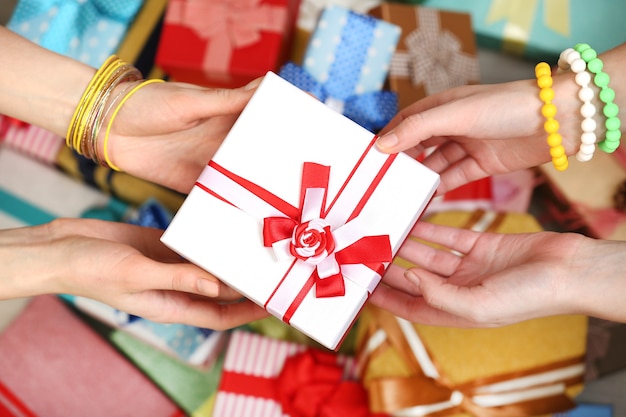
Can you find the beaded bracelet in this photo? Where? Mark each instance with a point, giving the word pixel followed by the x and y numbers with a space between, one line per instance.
pixel 548 110
pixel 570 60
pixel 601 79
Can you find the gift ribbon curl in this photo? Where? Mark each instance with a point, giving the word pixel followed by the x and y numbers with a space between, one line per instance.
pixel 352 255
pixel 372 110
pixel 227 25
pixel 427 392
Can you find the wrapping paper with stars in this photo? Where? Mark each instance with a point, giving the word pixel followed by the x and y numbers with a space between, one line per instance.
pixel 86 30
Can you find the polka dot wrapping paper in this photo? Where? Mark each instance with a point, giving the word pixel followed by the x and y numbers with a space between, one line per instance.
pixel 346 64
pixel 88 30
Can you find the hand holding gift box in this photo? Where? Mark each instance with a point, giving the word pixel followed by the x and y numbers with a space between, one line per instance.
pixel 300 212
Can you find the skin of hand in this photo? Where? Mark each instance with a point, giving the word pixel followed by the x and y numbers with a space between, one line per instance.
pixel 478 279
pixel 122 265
pixel 167 132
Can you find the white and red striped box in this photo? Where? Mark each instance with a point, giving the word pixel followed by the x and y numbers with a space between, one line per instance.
pixel 291 178
pixel 251 378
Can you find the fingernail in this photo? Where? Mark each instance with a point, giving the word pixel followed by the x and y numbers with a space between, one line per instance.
pixel 387 141
pixel 253 84
pixel 412 277
pixel 209 288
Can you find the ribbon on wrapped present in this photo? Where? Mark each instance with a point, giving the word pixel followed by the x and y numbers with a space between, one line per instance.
pixel 226 25
pixel 436 51
pixel 271 377
pixel 403 376
pixel 346 64
pixel 371 110
pixel 89 30
pixel 325 242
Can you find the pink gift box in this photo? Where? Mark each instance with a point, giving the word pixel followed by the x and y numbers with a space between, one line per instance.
pixel 300 212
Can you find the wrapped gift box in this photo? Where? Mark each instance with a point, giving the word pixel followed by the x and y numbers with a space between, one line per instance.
pixel 89 31
pixel 346 64
pixel 225 43
pixel 56 366
pixel 452 370
pixel 436 51
pixel 276 378
pixel 289 159
pixel 540 29
pixel 528 369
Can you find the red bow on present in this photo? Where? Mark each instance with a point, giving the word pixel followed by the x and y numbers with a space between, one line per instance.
pixel 311 239
pixel 311 384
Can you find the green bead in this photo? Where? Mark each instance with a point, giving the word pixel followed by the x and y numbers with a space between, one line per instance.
pixel 608 148
pixel 610 109
pixel 581 47
pixel 595 65
pixel 612 123
pixel 613 135
pixel 607 95
pixel 588 54
pixel 601 79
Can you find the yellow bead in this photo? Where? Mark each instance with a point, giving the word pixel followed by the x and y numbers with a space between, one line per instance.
pixel 557 151
pixel 546 94
pixel 554 139
pixel 551 126
pixel 544 81
pixel 548 110
pixel 542 68
pixel 560 160
pixel 560 164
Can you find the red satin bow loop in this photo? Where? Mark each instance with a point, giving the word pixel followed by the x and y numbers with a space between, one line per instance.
pixel 311 385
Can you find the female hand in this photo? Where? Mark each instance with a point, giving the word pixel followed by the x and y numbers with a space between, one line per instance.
pixel 167 132
pixel 481 130
pixel 480 279
pixel 122 265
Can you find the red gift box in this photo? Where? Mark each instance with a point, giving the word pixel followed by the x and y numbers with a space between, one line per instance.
pixel 225 43
pixel 271 377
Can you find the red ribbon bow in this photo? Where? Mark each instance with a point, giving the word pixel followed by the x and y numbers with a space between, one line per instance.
pixel 309 237
pixel 311 384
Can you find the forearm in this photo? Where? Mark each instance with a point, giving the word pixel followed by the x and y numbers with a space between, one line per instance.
pixel 28 267
pixel 39 86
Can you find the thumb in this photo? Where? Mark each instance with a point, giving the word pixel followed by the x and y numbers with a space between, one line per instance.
pixel 229 100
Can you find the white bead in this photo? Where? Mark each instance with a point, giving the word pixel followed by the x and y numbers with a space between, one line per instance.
pixel 587 149
pixel 587 110
pixel 585 94
pixel 571 56
pixel 583 78
pixel 581 157
pixel 588 138
pixel 565 53
pixel 588 125
pixel 578 65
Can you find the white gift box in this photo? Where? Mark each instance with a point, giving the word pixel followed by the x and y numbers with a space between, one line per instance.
pixel 309 183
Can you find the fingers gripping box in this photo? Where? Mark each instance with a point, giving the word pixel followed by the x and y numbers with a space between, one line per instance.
pixel 299 212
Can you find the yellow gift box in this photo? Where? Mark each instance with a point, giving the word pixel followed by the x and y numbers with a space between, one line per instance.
pixel 526 369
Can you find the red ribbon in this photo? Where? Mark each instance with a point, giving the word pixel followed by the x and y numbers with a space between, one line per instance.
pixel 310 384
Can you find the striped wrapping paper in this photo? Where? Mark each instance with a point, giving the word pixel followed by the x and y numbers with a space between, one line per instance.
pixel 259 357
pixel 31 140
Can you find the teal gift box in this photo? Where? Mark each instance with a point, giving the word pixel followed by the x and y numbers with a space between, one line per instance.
pixel 541 29
pixel 88 31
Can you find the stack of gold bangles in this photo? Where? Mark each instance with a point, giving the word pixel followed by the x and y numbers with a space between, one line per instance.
pixel 95 105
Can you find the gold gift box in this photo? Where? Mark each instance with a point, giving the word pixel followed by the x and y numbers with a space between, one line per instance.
pixel 461 369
